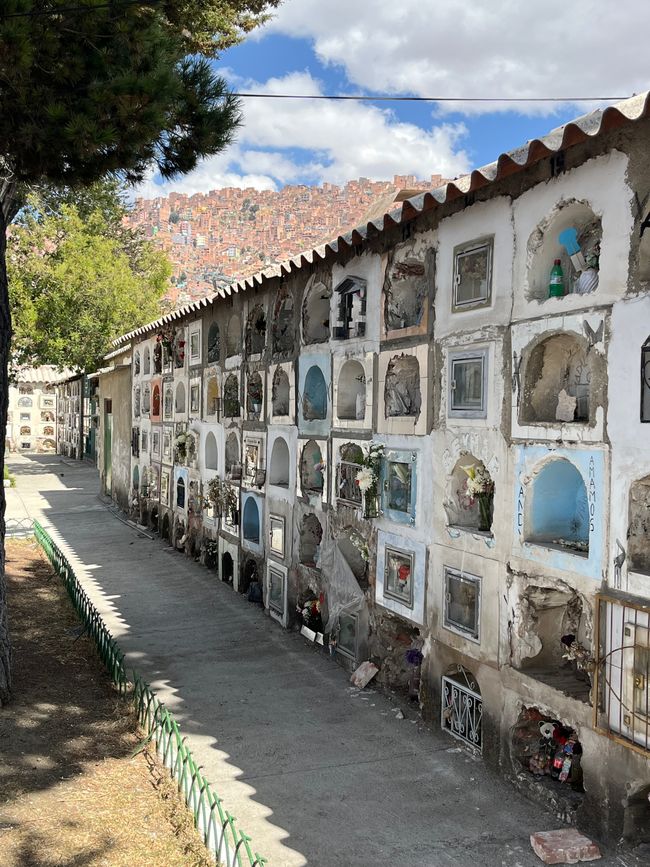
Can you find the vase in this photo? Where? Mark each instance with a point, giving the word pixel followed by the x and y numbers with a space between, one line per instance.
pixel 370 503
pixel 484 512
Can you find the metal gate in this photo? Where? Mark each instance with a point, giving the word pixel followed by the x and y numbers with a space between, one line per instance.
pixel 462 709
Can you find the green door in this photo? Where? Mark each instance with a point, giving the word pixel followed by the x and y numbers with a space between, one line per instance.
pixel 108 447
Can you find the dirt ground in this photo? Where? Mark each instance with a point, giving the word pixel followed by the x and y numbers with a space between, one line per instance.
pixel 72 792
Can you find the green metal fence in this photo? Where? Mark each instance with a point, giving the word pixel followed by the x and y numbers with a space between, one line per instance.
pixel 230 846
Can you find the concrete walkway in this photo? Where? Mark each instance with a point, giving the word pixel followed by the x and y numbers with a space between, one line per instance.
pixel 314 771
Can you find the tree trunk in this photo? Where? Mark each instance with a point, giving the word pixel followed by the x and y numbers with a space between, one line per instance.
pixel 5 345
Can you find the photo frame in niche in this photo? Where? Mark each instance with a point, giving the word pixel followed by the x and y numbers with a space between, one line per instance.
pixel 462 603
pixel 251 460
pixel 398 488
pixel 473 273
pixel 276 534
pixel 195 346
pixel 195 398
pixel 164 488
pixel 276 591
pixel 398 575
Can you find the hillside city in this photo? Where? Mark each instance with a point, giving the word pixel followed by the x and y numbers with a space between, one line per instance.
pixel 228 234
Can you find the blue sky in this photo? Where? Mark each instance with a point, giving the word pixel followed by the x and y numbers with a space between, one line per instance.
pixel 451 48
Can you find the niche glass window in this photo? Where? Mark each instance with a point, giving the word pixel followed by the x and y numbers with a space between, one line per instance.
pixel 195 401
pixel 167 445
pixel 645 381
pixel 472 273
pixel 277 534
pixel 276 591
pixel 195 346
pixel 347 637
pixel 462 602
pixel 398 576
pixel 398 486
pixel 467 385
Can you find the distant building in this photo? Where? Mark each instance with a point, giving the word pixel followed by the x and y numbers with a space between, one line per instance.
pixel 33 409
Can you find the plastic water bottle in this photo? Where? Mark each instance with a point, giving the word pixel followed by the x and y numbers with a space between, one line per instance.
pixel 556 283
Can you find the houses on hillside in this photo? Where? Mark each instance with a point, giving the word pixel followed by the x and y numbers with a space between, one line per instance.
pixel 400 442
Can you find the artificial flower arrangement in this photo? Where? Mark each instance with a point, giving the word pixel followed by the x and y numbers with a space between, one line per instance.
pixel 367 479
pixel 222 497
pixel 479 488
pixel 311 613
pixel 180 446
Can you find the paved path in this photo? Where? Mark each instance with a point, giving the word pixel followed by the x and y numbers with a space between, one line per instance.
pixel 317 773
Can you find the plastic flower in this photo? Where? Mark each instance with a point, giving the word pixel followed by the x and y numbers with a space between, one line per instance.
pixel 365 479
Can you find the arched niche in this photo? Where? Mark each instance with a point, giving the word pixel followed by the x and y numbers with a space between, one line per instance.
pixel 558 376
pixel 316 313
pixel 211 451
pixel 136 478
pixel 147 360
pixel 27 401
pixel 351 392
pixel 557 510
pixel 280 393
pixel 251 521
pixel 351 552
pixel 282 328
pixel 233 462
pixel 254 396
pixel 638 532
pixel 214 343
pixel 212 397
pixel 402 395
pixel 249 575
pixel 279 469
pixel 256 331
pixel 311 536
pixel 314 398
pixel 227 567
pixel 49 444
pixel 179 403
pixel 25 431
pixel 311 468
pixel 180 493
pixel 464 506
pixel 231 407
pixel 544 247
pixel 155 400
pixel 146 399
pixel 136 363
pixel 136 401
pixel 233 336
pixel 48 431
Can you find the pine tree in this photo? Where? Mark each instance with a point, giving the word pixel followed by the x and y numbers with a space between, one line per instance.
pixel 94 88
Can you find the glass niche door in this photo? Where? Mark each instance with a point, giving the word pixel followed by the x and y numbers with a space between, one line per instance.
pixel 399 486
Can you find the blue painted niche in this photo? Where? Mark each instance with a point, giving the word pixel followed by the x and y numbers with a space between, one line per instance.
pixel 559 508
pixel 314 407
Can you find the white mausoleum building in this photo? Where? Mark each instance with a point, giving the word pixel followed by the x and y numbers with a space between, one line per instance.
pixel 498 565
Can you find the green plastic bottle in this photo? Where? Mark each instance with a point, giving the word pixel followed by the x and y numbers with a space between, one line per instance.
pixel 556 284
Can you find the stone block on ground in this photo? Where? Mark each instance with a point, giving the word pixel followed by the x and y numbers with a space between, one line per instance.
pixel 566 846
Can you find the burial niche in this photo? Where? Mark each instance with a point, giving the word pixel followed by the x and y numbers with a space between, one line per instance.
pixel 311 535
pixel 233 336
pixel 214 343
pixel 558 381
pixel 316 313
pixel 280 394
pixel 279 470
pixel 282 329
pixel 557 513
pixel 227 568
pixel 405 291
pixel 231 397
pixel 350 462
pixel 354 550
pixel 311 468
pixel 638 533
pixel 155 401
pixel 179 405
pixel 210 451
pixel 470 504
pixel 314 399
pixel 254 397
pixel 251 521
pixel 351 392
pixel 233 464
pixel 550 751
pixel 256 331
pixel 402 387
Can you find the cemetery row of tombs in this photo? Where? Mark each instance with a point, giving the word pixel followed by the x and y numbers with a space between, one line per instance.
pixel 413 453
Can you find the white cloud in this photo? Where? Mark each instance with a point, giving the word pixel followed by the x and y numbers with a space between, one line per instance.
pixel 491 48
pixel 334 141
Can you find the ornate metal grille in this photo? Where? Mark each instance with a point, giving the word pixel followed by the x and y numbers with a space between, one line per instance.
pixel 462 709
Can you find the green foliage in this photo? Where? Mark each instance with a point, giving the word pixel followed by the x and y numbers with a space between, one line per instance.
pixel 113 88
pixel 79 277
pixel 6 475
